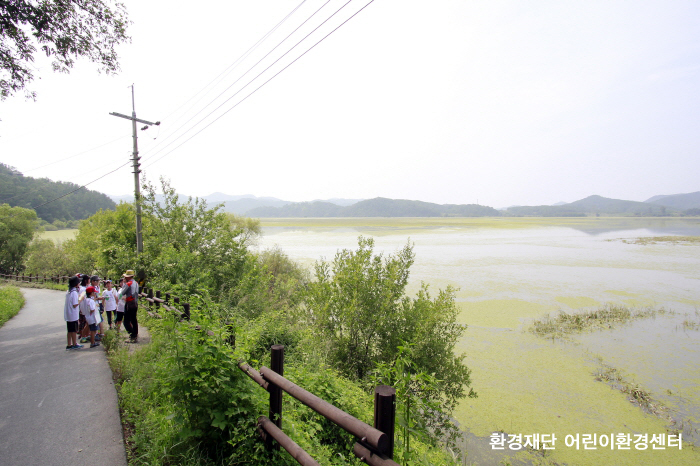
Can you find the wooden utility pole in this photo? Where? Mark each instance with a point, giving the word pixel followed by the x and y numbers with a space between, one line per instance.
pixel 137 189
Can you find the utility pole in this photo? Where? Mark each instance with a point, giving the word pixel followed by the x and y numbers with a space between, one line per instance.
pixel 136 158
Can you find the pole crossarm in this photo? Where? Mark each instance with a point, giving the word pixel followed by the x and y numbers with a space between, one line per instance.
pixel 133 118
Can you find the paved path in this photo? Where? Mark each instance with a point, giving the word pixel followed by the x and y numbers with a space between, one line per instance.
pixel 57 407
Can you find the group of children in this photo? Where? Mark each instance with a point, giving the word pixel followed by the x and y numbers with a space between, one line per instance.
pixel 85 305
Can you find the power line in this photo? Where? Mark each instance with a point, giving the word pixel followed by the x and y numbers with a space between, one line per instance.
pixel 234 65
pixel 236 104
pixel 257 76
pixel 36 190
pixel 80 187
pixel 241 77
pixel 76 155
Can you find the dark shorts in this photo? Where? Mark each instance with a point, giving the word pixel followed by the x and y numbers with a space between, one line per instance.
pixel 72 326
pixel 93 327
pixel 120 316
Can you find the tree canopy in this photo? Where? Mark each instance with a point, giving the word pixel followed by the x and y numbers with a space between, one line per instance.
pixel 63 30
pixel 17 227
pixel 18 190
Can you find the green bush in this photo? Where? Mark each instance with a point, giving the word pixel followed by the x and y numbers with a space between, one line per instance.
pixel 11 301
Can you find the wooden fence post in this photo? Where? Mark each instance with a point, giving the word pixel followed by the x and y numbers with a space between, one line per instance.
pixel 277 365
pixel 385 414
pixel 186 307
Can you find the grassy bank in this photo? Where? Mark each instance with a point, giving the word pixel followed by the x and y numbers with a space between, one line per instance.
pixel 11 301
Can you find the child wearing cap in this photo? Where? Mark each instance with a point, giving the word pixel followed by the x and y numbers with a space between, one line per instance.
pixel 71 313
pixel 93 316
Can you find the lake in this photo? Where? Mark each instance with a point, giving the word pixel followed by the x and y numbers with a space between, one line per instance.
pixel 513 270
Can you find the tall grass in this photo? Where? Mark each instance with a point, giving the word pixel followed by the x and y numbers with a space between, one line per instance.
pixel 11 301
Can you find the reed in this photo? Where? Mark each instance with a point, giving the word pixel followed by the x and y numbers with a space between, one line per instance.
pixel 605 317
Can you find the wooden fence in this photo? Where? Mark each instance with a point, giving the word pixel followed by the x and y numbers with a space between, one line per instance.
pixel 33 279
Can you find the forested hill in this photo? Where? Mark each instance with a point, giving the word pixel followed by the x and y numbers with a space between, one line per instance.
pixel 378 207
pixel 25 191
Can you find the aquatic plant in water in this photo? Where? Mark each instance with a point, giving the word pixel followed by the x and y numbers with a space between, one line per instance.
pixel 603 318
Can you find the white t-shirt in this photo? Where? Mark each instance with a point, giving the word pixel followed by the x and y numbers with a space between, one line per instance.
pixel 93 316
pixel 110 300
pixel 122 302
pixel 70 312
pixel 83 303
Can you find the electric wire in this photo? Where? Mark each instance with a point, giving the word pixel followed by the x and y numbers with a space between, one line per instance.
pixel 257 76
pixel 232 107
pixel 75 155
pixel 81 187
pixel 241 77
pixel 235 64
pixel 263 84
pixel 5 199
pixel 36 190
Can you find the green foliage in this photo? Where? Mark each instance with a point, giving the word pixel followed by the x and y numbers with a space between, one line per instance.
pixel 314 432
pixel 17 227
pixel 250 227
pixel 358 305
pixel 190 244
pixel 46 258
pixel 421 414
pixel 63 30
pixel 271 282
pixel 25 191
pixel 105 242
pixel 355 302
pixel 11 301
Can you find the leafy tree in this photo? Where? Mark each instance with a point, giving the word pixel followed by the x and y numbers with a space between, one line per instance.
pixel 105 243
pixel 358 305
pixel 44 257
pixel 17 227
pixel 191 244
pixel 250 227
pixel 63 30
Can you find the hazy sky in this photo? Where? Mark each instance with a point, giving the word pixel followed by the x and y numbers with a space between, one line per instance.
pixel 500 102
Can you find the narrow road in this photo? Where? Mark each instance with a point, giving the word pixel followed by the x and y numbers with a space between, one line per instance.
pixel 57 407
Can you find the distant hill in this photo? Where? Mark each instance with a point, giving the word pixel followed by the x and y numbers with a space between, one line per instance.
pixel 677 201
pixel 25 191
pixel 592 205
pixel 242 204
pixel 378 207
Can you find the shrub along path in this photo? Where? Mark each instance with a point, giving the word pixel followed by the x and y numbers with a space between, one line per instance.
pixel 57 407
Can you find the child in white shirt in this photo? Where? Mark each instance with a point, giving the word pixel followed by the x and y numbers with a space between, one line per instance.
pixel 93 315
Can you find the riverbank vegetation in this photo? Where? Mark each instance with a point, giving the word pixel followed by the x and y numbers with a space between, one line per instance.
pixel 11 301
pixel 346 327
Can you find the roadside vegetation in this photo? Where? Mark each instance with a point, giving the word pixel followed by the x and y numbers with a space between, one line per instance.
pixel 11 301
pixel 347 326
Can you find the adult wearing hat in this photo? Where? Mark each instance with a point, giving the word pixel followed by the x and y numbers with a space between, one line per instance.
pixel 130 291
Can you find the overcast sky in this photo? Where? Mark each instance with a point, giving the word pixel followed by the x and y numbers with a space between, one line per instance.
pixel 495 102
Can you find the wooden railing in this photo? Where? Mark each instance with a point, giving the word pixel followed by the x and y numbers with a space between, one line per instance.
pixel 375 444
pixel 34 278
